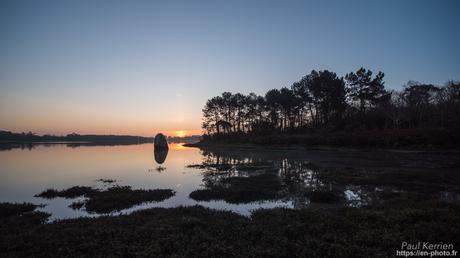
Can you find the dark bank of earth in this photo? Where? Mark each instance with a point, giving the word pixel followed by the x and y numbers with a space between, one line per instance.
pixel 393 139
pixel 114 198
pixel 192 231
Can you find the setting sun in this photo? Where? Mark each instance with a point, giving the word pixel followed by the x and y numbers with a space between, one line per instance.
pixel 180 133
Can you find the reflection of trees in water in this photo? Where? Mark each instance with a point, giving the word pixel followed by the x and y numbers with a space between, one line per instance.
pixel 302 178
pixel 226 157
pixel 22 146
pixel 300 174
pixel 299 178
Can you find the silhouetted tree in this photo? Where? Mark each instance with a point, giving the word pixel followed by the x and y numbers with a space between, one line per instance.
pixel 321 100
pixel 322 94
pixel 273 98
pixel 302 93
pixel 364 89
pixel 420 99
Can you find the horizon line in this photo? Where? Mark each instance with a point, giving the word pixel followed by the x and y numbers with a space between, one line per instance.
pixel 168 133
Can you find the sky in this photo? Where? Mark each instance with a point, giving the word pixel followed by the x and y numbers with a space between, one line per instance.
pixel 142 67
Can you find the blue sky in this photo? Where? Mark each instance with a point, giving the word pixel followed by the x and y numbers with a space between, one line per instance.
pixel 143 66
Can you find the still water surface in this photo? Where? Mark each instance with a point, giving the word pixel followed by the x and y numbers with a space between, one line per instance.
pixel 25 172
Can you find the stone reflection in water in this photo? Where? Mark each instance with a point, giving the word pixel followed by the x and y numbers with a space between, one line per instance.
pixel 160 155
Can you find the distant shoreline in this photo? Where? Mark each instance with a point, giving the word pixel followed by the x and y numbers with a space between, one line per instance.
pixel 42 142
pixel 7 137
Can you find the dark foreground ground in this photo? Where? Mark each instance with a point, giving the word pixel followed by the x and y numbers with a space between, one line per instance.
pixel 197 231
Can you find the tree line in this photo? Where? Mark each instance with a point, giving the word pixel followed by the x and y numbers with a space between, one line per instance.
pixel 323 100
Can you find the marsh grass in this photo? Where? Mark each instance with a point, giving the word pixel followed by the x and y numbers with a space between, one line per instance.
pixel 106 180
pixel 197 231
pixel 242 189
pixel 69 193
pixel 14 209
pixel 324 196
pixel 114 198
pixel 122 197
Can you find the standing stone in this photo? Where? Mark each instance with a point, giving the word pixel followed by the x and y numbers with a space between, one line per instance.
pixel 160 142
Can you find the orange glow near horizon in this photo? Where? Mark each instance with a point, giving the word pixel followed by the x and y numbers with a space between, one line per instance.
pixel 44 116
pixel 145 133
pixel 180 133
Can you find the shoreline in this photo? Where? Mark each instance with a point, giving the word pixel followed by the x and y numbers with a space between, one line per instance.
pixel 426 139
pixel 203 145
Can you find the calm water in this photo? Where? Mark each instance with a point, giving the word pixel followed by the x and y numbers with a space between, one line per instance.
pixel 26 172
